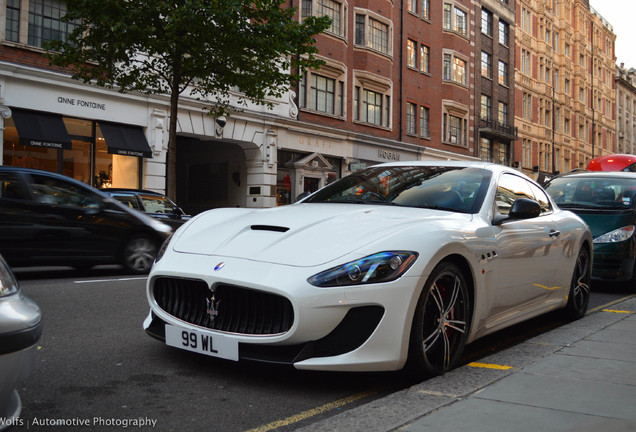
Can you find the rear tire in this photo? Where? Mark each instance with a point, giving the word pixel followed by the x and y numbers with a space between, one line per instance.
pixel 139 254
pixel 579 295
pixel 440 325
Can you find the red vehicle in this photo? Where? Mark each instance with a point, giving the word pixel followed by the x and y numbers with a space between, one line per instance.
pixel 614 162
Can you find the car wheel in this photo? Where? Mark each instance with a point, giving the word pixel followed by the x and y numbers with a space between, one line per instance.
pixel 579 295
pixel 139 254
pixel 440 324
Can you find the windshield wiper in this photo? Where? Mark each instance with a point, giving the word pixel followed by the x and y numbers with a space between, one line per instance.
pixel 357 201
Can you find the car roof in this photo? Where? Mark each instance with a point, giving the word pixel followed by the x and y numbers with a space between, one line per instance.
pixel 490 166
pixel 131 190
pixel 598 174
pixel 8 168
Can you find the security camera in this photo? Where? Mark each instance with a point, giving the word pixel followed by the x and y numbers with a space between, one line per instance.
pixel 221 121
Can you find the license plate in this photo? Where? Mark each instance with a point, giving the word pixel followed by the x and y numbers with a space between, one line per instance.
pixel 216 346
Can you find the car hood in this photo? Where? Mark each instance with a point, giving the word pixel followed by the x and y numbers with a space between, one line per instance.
pixel 602 222
pixel 300 234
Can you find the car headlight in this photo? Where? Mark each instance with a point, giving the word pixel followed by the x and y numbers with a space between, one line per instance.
pixel 160 226
pixel 376 268
pixel 8 284
pixel 162 249
pixel 618 235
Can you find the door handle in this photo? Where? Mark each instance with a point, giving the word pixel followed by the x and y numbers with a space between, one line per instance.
pixel 554 233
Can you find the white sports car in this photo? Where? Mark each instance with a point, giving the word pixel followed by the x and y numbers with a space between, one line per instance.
pixel 399 265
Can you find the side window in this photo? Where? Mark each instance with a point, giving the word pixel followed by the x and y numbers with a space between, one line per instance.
pixel 541 197
pixel 126 199
pixel 509 190
pixel 49 190
pixel 157 204
pixel 12 188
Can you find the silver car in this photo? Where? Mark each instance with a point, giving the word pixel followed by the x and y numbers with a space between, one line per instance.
pixel 20 330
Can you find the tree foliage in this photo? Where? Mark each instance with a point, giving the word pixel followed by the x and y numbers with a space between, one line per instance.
pixel 209 47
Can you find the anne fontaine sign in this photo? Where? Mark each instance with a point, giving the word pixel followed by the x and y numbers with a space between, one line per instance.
pixel 82 103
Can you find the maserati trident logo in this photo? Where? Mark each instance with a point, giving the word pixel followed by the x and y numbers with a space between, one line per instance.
pixel 213 307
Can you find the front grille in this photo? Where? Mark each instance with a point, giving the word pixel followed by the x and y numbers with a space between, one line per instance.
pixel 240 310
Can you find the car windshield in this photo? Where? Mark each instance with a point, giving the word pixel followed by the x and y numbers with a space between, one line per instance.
pixel 599 192
pixel 456 189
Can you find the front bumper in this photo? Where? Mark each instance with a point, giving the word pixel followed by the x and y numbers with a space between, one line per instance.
pixel 21 318
pixel 355 328
pixel 614 262
pixel 361 328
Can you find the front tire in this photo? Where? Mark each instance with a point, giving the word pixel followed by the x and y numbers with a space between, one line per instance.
pixel 440 325
pixel 139 254
pixel 579 295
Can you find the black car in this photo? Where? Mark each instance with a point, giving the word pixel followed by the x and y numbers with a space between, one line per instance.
pixel 152 203
pixel 51 219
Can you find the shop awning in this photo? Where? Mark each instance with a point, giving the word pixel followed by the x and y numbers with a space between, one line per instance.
pixel 125 140
pixel 40 129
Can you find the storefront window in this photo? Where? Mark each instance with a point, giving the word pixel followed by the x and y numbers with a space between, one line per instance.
pixel 77 161
pixel 15 154
pixel 88 160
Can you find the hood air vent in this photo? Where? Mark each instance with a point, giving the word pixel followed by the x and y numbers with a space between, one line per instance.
pixel 269 228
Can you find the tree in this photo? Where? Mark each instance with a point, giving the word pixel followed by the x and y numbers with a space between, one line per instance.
pixel 207 47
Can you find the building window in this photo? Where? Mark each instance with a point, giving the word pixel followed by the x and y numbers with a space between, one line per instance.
pixel 426 9
pixel 503 73
pixel 306 8
pixel 455 124
pixel 372 33
pixel 424 119
pixel 504 33
pixel 461 23
pixel 526 20
pixel 567 86
pixel 323 93
pixel 411 53
pixel 335 10
pixel 372 100
pixel 455 19
pixel 412 6
pixel 45 22
pixel 486 107
pixel 485 149
pixel 454 69
pixel 486 65
pixel 486 22
pixel 425 60
pixel 372 107
pixel 526 108
pixel 502 113
pixel 410 118
pixel 13 21
pixel 454 130
pixel 525 62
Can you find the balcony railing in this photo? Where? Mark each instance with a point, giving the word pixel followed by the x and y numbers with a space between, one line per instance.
pixel 496 129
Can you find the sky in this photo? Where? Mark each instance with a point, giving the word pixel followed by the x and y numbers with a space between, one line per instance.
pixel 621 15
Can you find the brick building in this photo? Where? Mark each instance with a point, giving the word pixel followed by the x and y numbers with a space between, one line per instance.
pixel 564 86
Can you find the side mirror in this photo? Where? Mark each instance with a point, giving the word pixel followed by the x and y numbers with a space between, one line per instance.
pixel 522 208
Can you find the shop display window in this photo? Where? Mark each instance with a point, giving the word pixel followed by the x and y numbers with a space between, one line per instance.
pixel 88 160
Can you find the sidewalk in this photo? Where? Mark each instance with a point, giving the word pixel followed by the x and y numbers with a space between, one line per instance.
pixel 580 377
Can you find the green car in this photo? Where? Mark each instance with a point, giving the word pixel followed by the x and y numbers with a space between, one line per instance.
pixel 606 201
